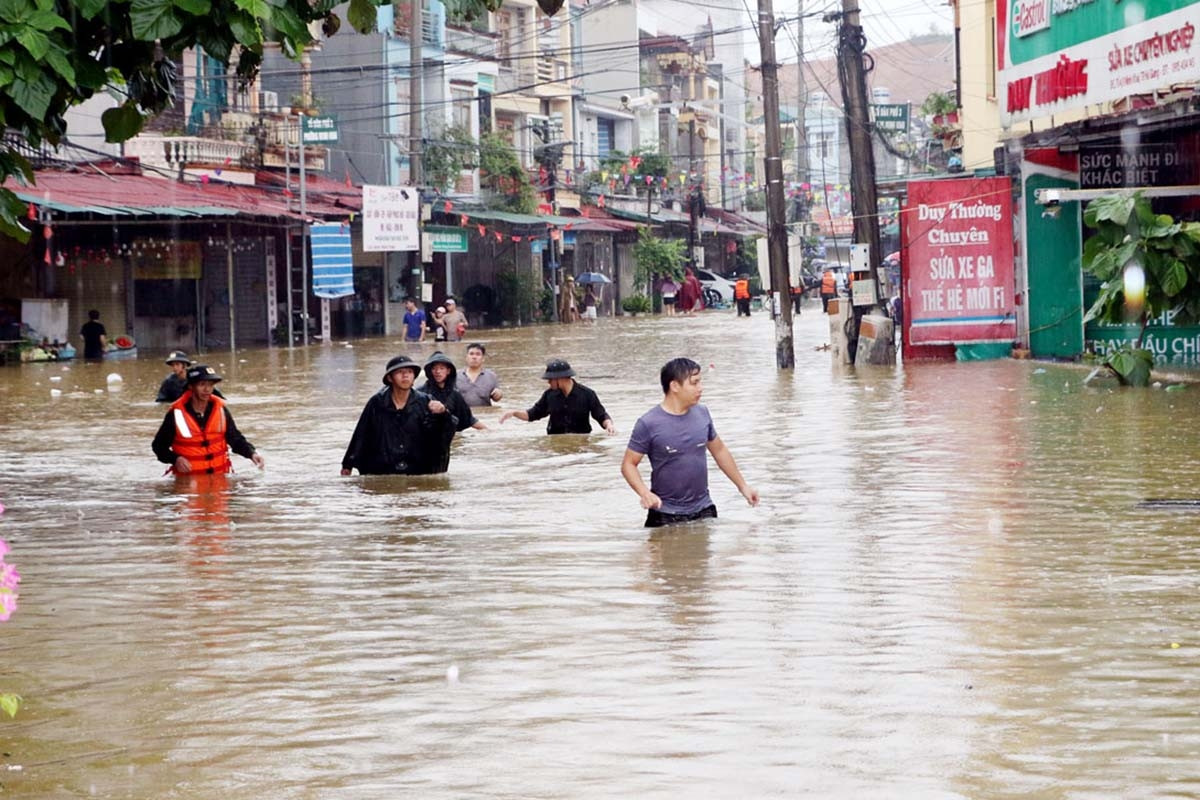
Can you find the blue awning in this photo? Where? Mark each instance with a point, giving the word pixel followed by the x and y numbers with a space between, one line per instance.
pixel 332 260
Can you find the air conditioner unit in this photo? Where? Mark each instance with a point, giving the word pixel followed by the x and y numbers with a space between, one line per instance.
pixel 268 101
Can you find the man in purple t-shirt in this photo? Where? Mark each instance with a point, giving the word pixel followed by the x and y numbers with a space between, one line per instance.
pixel 677 434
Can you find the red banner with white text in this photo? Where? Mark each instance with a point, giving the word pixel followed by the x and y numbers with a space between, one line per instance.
pixel 958 253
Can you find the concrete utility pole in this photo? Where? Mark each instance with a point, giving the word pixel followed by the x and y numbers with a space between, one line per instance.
pixel 851 45
pixel 785 357
pixel 416 113
pixel 801 103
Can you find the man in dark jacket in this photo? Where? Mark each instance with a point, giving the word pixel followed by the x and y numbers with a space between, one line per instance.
pixel 567 403
pixel 401 431
pixel 175 384
pixel 441 375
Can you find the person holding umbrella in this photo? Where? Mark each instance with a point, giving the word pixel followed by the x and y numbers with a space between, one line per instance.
pixel 591 300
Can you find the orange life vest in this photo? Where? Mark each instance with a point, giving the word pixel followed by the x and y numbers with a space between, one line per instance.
pixel 207 448
pixel 741 290
pixel 828 283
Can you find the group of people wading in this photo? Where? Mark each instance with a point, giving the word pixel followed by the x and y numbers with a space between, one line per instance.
pixel 405 430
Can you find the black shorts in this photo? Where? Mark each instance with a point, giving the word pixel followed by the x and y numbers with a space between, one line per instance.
pixel 669 301
pixel 657 519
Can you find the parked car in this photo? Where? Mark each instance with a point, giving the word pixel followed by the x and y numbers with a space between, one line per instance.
pixel 717 289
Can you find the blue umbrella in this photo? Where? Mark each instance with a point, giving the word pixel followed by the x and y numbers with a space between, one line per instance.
pixel 592 277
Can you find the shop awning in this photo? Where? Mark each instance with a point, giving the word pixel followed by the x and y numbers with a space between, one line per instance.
pixel 78 193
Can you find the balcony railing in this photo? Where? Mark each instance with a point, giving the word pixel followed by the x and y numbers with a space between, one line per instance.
pixel 551 69
pixel 172 152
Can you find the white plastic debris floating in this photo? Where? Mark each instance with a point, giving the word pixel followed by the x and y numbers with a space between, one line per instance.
pixel 55 378
pixel 115 378
pixel 56 392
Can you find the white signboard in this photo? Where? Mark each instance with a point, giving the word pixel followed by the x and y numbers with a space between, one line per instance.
pixel 391 218
pixel 1067 54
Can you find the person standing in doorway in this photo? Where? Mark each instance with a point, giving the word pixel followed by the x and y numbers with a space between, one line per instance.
pixel 414 321
pixel 676 434
pixel 478 385
pixel 95 337
pixel 455 321
pixel 567 403
pixel 198 431
pixel 741 294
pixel 400 431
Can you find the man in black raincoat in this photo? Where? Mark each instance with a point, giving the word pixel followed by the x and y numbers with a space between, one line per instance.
pixel 441 374
pixel 401 431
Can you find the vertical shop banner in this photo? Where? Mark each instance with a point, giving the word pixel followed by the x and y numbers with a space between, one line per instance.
pixel 391 218
pixel 332 261
pixel 959 252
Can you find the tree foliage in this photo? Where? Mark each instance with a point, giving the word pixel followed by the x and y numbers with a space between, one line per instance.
pixel 938 103
pixel 55 54
pixel 448 153
pixel 502 174
pixel 1147 264
pixel 657 256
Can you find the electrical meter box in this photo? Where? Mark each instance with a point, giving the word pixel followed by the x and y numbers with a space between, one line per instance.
pixel 863 290
pixel 860 258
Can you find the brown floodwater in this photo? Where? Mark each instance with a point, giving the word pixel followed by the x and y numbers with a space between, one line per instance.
pixel 948 590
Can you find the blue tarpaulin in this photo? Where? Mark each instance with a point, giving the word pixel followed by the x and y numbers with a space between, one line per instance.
pixel 332 260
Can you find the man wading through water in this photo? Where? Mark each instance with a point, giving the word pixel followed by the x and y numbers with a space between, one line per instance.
pixel 677 434
pixel 567 403
pixel 198 430
pixel 400 431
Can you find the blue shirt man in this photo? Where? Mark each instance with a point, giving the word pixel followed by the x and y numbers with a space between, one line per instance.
pixel 677 434
pixel 414 322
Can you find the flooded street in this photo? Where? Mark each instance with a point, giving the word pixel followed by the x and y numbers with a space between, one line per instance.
pixel 947 591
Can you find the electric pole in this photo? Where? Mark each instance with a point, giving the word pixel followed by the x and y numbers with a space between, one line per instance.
pixel 416 114
pixel 785 357
pixel 801 107
pixel 852 44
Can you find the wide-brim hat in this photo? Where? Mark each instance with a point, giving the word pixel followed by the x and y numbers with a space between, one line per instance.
pixel 180 356
pixel 438 357
pixel 557 368
pixel 202 372
pixel 400 362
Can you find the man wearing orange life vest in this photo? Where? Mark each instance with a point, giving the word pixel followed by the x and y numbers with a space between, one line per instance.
pixel 198 430
pixel 741 293
pixel 828 288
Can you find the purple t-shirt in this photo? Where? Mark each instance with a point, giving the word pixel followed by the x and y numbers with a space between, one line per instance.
pixel 677 445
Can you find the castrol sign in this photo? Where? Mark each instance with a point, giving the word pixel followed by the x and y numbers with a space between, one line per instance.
pixel 1030 16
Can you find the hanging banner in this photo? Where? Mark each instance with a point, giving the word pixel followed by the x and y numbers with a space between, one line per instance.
pixel 332 261
pixel 391 219
pixel 959 252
